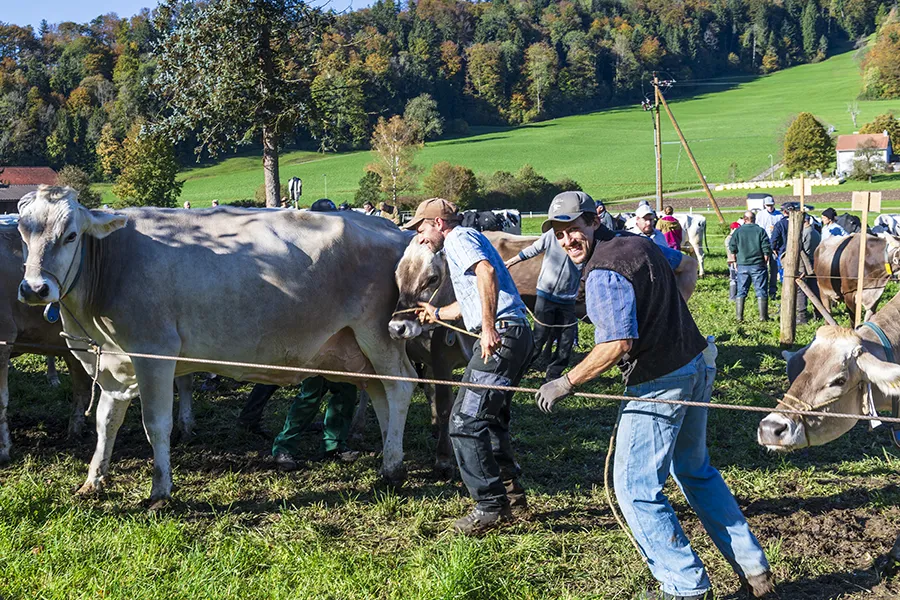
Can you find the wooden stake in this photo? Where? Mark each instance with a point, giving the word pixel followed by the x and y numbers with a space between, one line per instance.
pixel 789 287
pixel 690 156
pixel 657 144
pixel 861 270
pixel 802 190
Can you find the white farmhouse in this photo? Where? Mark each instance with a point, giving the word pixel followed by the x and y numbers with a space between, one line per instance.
pixel 847 146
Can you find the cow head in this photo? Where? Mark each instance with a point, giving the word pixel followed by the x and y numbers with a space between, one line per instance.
pixel 422 276
pixel 831 375
pixel 53 225
pixel 891 252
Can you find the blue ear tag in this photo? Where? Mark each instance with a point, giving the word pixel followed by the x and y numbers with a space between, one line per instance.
pixel 51 313
pixel 895 435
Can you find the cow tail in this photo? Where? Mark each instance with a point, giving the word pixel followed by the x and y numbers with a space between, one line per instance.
pixel 705 244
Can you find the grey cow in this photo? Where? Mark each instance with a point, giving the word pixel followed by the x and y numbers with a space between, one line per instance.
pixel 287 288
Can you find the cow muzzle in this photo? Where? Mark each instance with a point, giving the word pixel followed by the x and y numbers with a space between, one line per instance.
pixel 404 329
pixel 778 433
pixel 37 292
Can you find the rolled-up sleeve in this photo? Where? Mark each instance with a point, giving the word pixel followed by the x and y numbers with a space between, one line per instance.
pixel 611 305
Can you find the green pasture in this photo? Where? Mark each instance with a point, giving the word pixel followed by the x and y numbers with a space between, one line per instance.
pixel 610 153
pixel 239 529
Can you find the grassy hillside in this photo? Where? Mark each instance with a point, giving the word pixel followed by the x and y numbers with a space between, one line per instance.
pixel 609 152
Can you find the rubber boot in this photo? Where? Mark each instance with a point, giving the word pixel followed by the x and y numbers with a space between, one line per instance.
pixel 763 304
pixel 739 307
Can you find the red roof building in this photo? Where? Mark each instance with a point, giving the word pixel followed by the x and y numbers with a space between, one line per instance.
pixel 27 175
pixel 15 182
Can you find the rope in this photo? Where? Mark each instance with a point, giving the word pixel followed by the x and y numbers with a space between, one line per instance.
pixel 609 500
pixel 464 384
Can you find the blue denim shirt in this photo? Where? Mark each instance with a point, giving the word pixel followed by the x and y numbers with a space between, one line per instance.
pixel 466 247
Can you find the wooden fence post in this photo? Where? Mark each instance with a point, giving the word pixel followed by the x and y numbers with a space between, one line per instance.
pixel 789 286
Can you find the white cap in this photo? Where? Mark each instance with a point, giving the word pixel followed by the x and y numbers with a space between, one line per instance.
pixel 769 201
pixel 643 210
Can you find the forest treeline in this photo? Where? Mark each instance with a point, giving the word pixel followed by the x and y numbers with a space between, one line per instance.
pixel 71 93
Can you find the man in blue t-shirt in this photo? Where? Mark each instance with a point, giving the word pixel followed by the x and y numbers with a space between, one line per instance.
pixel 489 304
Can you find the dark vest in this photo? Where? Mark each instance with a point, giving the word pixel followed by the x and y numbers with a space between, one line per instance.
pixel 668 338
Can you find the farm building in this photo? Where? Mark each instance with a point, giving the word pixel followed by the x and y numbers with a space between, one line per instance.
pixel 15 182
pixel 848 145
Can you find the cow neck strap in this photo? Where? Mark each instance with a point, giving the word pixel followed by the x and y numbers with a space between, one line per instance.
pixel 889 354
pixel 885 342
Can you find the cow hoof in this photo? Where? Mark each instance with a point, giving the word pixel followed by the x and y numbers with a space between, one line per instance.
pixel 444 470
pixel 159 504
pixel 53 381
pixel 395 477
pixel 90 488
pixel 184 436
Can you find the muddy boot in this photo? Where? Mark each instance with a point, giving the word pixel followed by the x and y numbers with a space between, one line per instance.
pixel 518 504
pixel 758 586
pixel 479 521
pixel 739 307
pixel 763 304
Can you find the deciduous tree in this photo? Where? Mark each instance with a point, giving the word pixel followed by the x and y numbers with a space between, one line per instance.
pixel 149 170
pixel 394 145
pixel 238 70
pixel 807 146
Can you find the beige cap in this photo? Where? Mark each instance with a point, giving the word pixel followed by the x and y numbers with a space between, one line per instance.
pixel 433 208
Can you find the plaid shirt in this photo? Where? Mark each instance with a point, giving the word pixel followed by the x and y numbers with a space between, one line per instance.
pixel 466 247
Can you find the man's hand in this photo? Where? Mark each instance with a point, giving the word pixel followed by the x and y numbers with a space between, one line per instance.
pixel 427 314
pixel 490 341
pixel 552 391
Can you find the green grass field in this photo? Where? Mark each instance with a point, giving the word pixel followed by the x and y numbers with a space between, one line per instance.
pixel 239 529
pixel 610 153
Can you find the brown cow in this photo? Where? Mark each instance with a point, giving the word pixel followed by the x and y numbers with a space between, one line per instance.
pixel 834 374
pixel 836 264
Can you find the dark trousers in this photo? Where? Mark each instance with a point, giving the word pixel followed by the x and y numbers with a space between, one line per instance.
pixel 774 265
pixel 251 415
pixel 554 313
pixel 479 420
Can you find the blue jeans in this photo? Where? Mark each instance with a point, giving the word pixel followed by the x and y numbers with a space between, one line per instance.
pixel 656 440
pixel 755 273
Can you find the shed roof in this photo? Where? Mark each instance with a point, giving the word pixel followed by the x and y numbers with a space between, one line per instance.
pixel 27 175
pixel 852 142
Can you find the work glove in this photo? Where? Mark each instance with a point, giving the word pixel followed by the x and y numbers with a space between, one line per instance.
pixel 552 391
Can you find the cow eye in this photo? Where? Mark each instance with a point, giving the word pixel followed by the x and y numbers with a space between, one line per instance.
pixel 840 381
pixel 431 281
pixel 70 238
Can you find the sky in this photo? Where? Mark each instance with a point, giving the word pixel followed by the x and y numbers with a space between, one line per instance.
pixel 24 12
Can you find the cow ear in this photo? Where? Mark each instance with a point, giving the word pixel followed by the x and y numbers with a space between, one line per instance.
pixel 884 375
pixel 102 223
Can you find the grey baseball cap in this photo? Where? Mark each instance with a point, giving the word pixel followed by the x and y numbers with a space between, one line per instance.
pixel 567 207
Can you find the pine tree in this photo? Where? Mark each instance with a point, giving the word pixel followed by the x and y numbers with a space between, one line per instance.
pixel 809 24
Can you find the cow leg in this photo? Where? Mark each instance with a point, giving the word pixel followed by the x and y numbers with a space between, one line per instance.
pixel 445 459
pixel 698 252
pixel 5 442
pixel 52 375
pixel 155 381
pixel 111 409
pixel 185 386
pixel 81 394
pixel 358 425
pixel 389 398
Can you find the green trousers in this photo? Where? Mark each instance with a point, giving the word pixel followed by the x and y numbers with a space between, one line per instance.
pixel 338 415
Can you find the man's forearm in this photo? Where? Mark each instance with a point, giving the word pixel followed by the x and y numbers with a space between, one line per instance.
pixel 488 291
pixel 599 360
pixel 451 312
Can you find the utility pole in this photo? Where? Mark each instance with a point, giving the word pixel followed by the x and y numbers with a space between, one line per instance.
pixel 662 100
pixel 657 144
